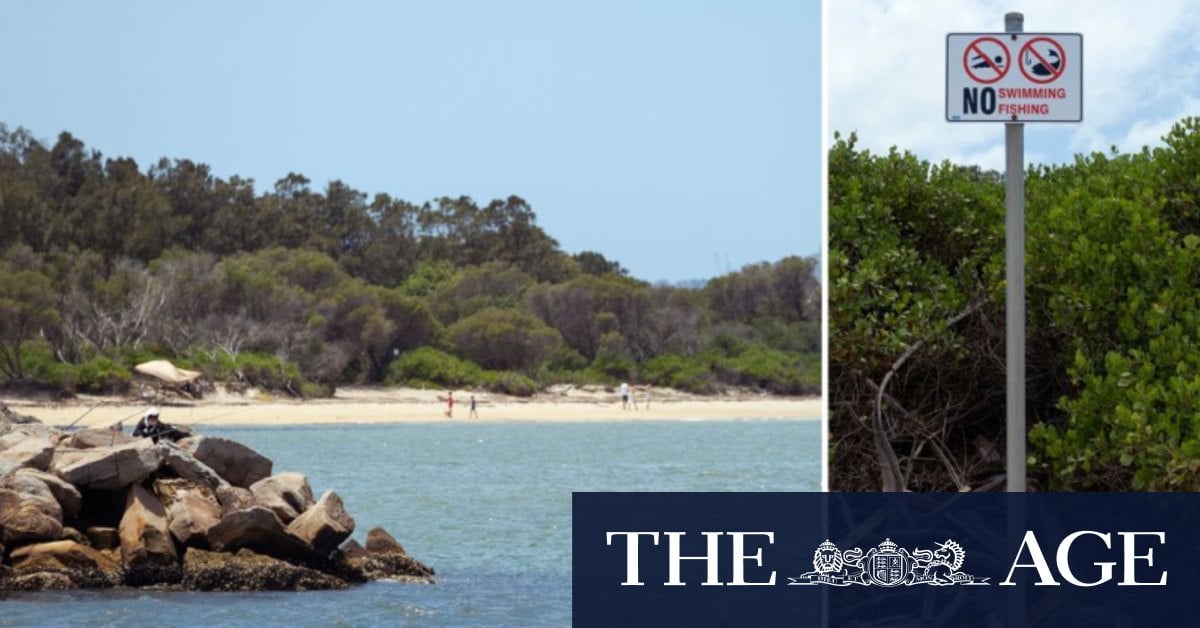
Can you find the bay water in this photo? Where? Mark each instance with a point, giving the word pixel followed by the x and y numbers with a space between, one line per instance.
pixel 487 505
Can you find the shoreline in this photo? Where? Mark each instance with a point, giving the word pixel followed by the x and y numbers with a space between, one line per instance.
pixel 377 405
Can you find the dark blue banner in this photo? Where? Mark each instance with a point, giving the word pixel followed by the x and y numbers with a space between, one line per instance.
pixel 858 559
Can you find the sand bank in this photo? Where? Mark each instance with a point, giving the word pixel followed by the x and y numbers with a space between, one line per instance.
pixel 405 405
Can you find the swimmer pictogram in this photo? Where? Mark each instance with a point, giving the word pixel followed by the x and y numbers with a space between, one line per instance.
pixel 986 60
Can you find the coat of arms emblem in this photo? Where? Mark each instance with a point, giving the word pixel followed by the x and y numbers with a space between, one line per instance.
pixel 888 565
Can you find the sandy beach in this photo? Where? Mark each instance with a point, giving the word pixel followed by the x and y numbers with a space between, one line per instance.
pixel 406 405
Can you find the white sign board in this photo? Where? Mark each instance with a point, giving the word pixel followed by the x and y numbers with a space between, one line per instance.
pixel 1014 77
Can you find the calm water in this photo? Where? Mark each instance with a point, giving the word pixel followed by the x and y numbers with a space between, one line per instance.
pixel 487 506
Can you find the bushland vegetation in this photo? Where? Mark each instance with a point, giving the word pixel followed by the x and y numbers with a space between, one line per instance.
pixel 917 320
pixel 104 264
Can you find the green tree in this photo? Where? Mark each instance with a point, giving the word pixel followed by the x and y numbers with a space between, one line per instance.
pixel 494 284
pixel 27 305
pixel 596 264
pixel 504 339
pixel 388 252
pixel 573 308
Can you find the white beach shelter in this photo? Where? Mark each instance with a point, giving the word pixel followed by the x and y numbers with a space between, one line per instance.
pixel 166 372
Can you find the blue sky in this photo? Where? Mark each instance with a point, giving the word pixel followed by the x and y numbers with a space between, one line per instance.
pixel 1141 74
pixel 679 137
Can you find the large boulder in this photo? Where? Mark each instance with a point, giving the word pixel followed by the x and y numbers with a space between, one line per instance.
pixel 260 530
pixel 64 456
pixel 8 417
pixel 71 534
pixel 89 439
pixel 36 581
pixel 37 429
pixel 385 559
pixel 237 463
pixel 145 535
pixel 380 542
pixel 66 494
pixel 103 537
pixel 109 468
pixel 192 510
pixel 61 564
pixel 61 555
pixel 186 466
pixel 324 525
pixel 352 549
pixel 7 466
pixel 286 494
pixel 248 571
pixel 392 566
pixel 233 498
pixel 34 452
pixel 28 510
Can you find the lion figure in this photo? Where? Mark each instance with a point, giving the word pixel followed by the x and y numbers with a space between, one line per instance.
pixel 827 559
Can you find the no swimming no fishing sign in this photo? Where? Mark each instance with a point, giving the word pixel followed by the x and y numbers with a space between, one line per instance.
pixel 1014 77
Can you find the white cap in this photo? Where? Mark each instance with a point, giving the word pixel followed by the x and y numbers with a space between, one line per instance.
pixel 152 412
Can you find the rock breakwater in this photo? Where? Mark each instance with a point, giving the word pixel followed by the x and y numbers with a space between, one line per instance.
pixel 98 508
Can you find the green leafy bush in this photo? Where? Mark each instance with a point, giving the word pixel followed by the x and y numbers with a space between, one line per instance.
pixel 1113 357
pixel 266 371
pixel 102 375
pixel 269 372
pixel 515 384
pixel 428 366
pixel 688 374
pixel 97 375
pixel 44 370
pixel 770 370
pixel 613 367
pixel 504 339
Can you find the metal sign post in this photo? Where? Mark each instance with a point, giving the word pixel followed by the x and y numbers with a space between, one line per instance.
pixel 1014 293
pixel 1014 77
pixel 1014 324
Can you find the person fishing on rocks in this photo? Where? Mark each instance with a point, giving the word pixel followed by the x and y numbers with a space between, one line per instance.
pixel 150 427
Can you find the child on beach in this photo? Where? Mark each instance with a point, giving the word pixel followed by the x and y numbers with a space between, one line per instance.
pixel 472 414
pixel 450 404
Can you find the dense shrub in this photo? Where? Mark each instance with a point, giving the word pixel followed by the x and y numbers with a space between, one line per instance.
pixel 771 371
pixel 916 270
pixel 688 374
pixel 504 339
pixel 265 371
pixel 102 375
pixel 613 366
pixel 515 384
pixel 428 366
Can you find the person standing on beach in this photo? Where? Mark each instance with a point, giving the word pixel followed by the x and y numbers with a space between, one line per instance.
pixel 633 397
pixel 647 396
pixel 624 396
pixel 450 404
pixel 473 414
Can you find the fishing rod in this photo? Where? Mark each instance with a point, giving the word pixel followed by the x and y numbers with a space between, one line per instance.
pixel 122 420
pixel 89 411
pixel 212 418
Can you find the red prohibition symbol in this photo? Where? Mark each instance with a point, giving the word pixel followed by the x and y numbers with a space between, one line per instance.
pixel 986 60
pixel 1042 63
